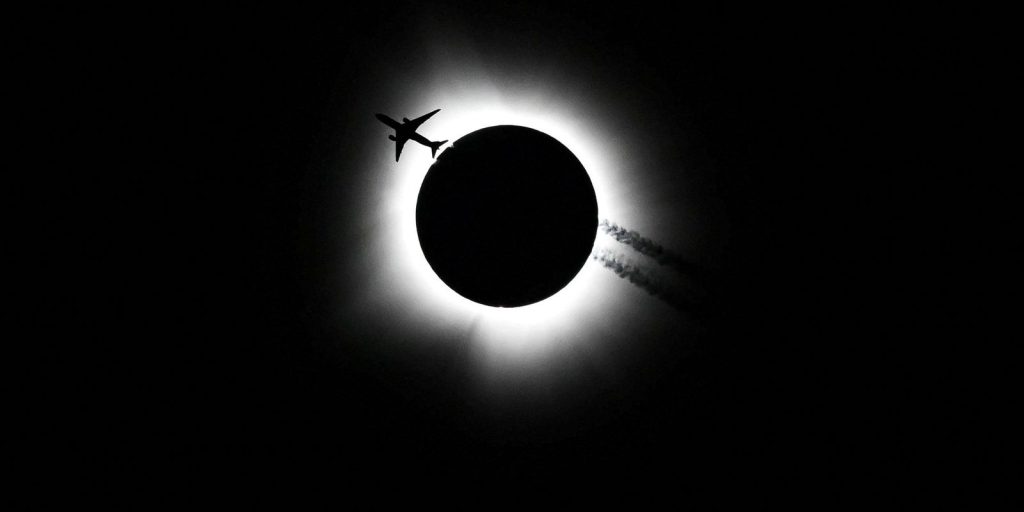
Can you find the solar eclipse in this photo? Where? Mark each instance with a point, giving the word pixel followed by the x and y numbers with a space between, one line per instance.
pixel 507 216
pixel 315 302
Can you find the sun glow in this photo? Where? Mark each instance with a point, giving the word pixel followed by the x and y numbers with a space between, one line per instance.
pixel 397 293
pixel 505 335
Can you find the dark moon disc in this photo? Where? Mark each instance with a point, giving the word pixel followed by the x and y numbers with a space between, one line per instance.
pixel 506 216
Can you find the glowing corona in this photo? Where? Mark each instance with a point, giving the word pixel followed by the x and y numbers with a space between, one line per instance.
pixel 501 337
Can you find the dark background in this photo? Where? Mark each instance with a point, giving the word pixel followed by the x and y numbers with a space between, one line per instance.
pixel 200 216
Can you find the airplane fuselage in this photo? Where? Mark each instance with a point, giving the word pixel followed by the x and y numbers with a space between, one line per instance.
pixel 406 130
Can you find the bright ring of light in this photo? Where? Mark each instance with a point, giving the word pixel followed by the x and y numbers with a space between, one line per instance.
pixel 500 337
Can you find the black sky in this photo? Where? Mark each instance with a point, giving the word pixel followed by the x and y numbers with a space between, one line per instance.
pixel 212 302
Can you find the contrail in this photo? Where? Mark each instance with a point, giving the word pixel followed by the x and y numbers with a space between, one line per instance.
pixel 647 247
pixel 636 276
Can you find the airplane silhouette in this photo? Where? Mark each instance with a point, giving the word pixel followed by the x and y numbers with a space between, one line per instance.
pixel 407 130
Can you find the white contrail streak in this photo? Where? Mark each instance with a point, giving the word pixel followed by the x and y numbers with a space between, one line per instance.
pixel 642 280
pixel 647 247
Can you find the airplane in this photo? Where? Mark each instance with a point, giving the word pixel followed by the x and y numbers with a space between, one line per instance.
pixel 407 130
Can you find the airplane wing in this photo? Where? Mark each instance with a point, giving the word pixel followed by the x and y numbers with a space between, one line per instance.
pixel 415 123
pixel 399 144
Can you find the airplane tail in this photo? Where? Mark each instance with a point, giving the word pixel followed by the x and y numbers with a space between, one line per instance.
pixel 434 146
